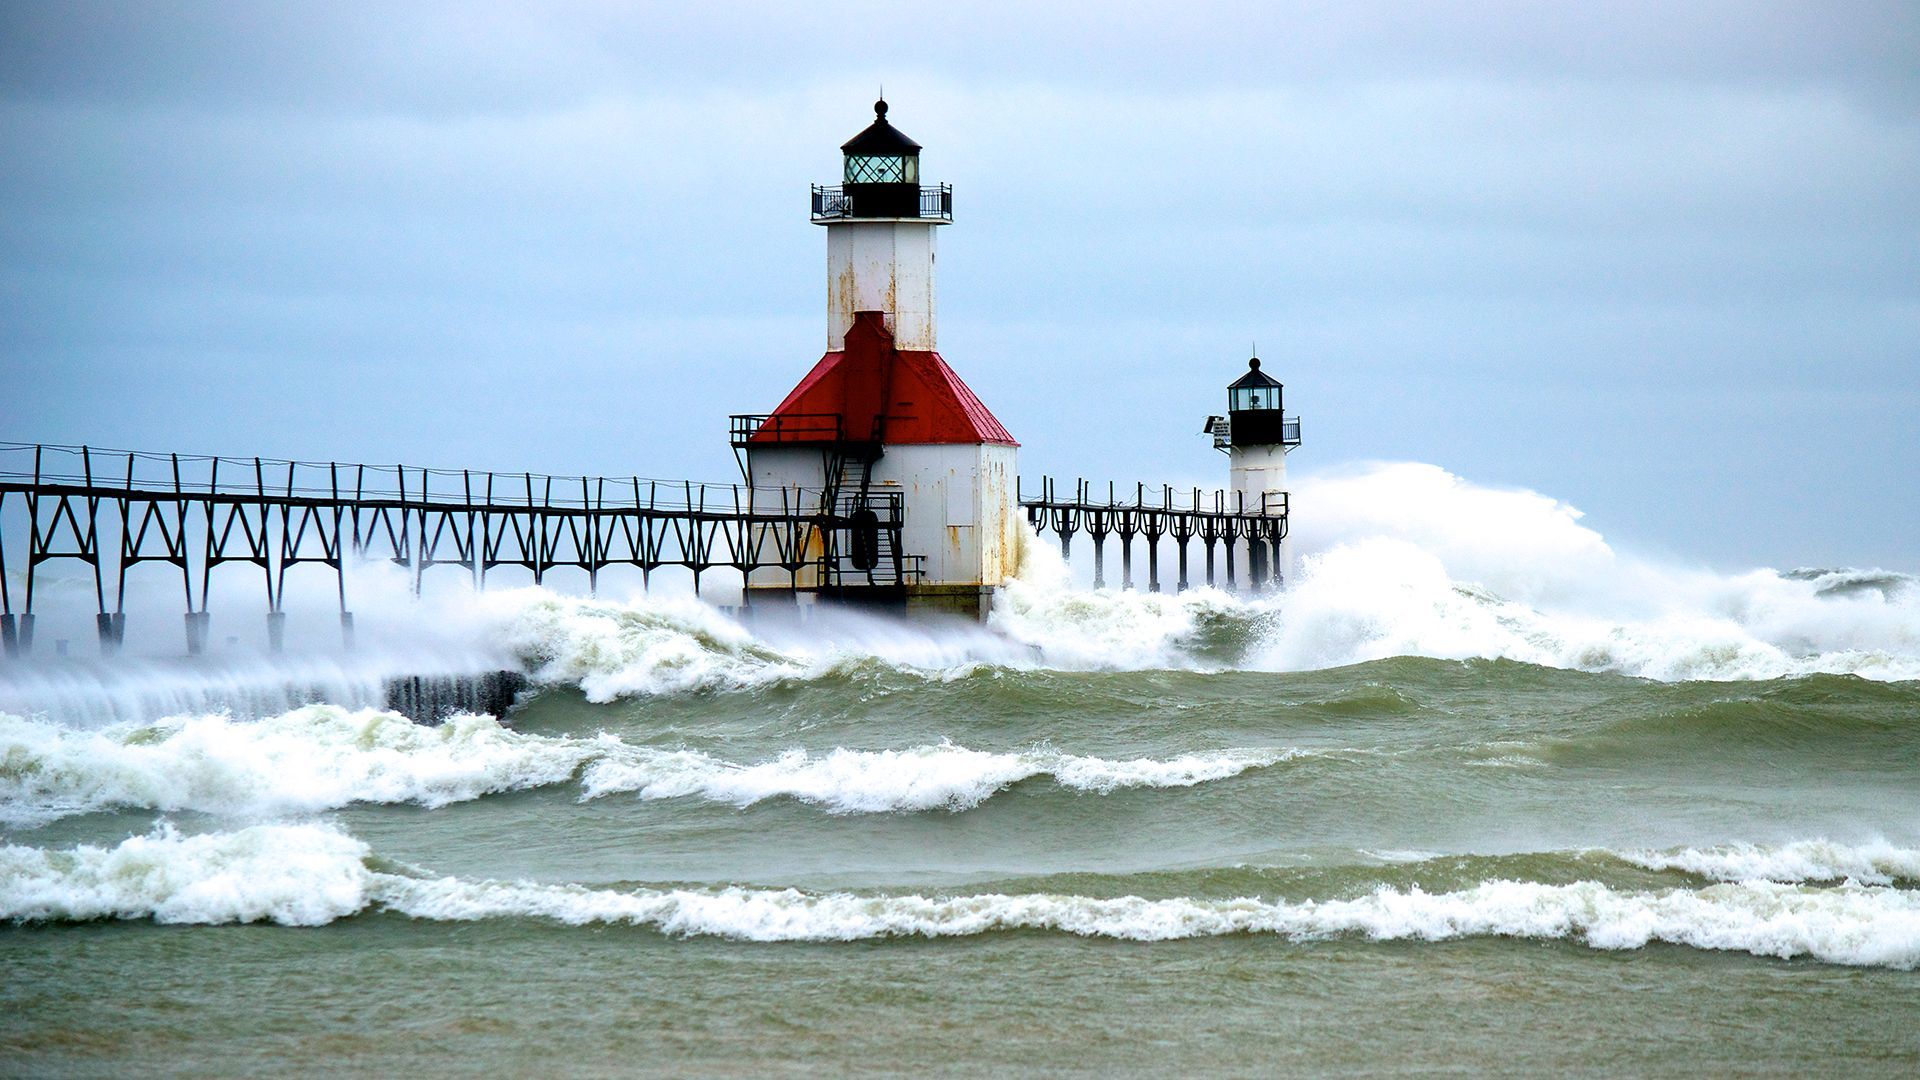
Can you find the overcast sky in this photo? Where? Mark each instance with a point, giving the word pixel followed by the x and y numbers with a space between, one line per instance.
pixel 1659 260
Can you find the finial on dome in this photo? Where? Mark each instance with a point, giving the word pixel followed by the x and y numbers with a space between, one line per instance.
pixel 880 109
pixel 1254 364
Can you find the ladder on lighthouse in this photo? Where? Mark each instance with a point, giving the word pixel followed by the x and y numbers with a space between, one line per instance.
pixel 867 549
pixel 852 474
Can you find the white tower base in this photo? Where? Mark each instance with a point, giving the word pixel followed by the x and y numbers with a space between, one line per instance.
pixel 882 264
pixel 1260 480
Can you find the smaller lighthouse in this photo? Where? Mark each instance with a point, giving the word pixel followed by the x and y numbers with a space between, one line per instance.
pixel 1256 435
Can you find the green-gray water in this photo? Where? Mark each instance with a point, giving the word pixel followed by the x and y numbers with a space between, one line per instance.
pixel 749 863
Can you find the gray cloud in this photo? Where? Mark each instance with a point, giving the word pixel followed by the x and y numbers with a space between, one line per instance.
pixel 1611 251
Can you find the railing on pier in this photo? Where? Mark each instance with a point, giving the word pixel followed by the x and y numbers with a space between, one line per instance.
pixel 747 428
pixel 1217 518
pixel 867 554
pixel 197 513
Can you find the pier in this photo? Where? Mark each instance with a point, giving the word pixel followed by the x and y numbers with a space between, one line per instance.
pixel 115 511
pixel 1220 520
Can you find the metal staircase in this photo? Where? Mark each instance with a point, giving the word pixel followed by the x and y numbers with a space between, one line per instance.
pixel 863 549
pixel 849 473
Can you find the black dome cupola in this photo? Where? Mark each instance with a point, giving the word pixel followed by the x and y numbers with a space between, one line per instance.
pixel 1254 411
pixel 881 179
pixel 1256 390
pixel 882 154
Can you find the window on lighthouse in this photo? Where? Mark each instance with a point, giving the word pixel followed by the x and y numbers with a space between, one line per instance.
pixel 875 169
pixel 1245 398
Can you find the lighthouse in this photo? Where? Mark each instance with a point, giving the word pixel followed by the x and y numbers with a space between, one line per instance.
pixel 882 432
pixel 1256 435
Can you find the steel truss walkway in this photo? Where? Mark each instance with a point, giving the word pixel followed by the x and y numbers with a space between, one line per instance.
pixel 195 514
pixel 1222 518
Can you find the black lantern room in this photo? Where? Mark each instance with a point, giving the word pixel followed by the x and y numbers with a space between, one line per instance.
pixel 882 154
pixel 1254 410
pixel 882 178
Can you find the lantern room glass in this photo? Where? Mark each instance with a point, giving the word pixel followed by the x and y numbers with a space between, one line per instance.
pixel 1248 398
pixel 882 169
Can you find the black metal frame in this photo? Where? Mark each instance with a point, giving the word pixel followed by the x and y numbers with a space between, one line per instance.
pixel 744 428
pixel 872 524
pixel 837 203
pixel 285 513
pixel 1214 517
pixel 1288 433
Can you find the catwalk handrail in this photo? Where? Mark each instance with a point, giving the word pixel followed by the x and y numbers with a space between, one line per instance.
pixel 198 514
pixel 835 203
pixel 1222 431
pixel 106 473
pixel 1165 498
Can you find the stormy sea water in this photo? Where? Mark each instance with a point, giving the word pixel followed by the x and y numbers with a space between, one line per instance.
pixel 1476 792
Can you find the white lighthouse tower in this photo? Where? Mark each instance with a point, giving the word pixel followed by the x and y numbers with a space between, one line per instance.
pixel 1257 435
pixel 881 425
pixel 880 236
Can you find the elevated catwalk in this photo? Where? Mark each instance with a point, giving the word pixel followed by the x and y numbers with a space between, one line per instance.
pixel 116 510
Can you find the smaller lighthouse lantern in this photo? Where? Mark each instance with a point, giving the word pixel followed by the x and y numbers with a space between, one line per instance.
pixel 1254 413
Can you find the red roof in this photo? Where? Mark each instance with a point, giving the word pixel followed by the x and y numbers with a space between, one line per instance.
pixel 903 396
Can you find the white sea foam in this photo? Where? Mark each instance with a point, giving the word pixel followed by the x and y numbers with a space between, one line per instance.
pixel 649 645
pixel 1106 629
pixel 1410 560
pixel 1397 559
pixel 921 778
pixel 1878 863
pixel 306 875
pixel 321 756
pixel 1381 597
pixel 1364 591
pixel 312 758
pixel 295 875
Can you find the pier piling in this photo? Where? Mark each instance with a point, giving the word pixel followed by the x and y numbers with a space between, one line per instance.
pixel 198 627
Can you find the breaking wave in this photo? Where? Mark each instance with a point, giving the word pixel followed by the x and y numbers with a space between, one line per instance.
pixel 1410 560
pixel 1398 560
pixel 313 758
pixel 321 757
pixel 309 875
pixel 1878 863
pixel 1407 559
pixel 652 645
pixel 941 777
